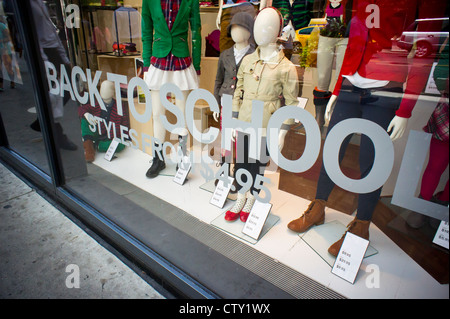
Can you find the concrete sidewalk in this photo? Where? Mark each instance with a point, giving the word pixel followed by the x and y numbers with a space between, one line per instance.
pixel 43 254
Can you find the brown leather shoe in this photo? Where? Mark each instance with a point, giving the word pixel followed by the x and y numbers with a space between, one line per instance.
pixel 357 227
pixel 314 215
pixel 89 151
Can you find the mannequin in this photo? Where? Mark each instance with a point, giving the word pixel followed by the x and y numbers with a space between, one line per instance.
pixel 241 31
pixel 264 75
pixel 227 9
pixel 332 43
pixel 167 59
pixel 95 122
pixel 438 127
pixel 361 74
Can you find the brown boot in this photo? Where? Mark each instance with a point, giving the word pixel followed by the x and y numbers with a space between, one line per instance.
pixel 357 227
pixel 89 151
pixel 314 215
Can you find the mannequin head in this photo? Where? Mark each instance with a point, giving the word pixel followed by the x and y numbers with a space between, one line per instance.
pixel 107 91
pixel 335 3
pixel 240 34
pixel 267 26
pixel 241 27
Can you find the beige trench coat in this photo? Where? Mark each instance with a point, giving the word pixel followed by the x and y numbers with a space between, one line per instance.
pixel 267 82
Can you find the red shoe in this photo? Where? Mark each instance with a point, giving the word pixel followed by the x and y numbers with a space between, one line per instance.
pixel 230 216
pixel 243 216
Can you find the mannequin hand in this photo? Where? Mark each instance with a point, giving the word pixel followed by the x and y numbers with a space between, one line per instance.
pixel 216 116
pixel 398 127
pixel 90 118
pixel 281 137
pixel 330 107
pixel 233 136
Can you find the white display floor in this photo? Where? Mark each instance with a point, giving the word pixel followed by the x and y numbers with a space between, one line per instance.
pixel 390 273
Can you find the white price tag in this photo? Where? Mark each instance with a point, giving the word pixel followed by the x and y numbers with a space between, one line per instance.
pixel 350 257
pixel 221 192
pixel 111 150
pixel 256 220
pixel 182 173
pixel 441 237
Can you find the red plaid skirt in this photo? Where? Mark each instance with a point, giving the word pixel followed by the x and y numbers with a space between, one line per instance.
pixel 171 63
pixel 438 123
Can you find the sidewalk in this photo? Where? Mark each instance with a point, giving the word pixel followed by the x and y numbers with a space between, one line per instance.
pixel 43 254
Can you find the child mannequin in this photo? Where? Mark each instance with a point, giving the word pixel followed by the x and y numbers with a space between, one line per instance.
pixel 330 46
pixel 167 59
pixel 272 76
pixel 240 29
pixel 100 138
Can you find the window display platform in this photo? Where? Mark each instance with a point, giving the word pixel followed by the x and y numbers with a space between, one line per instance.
pixel 389 273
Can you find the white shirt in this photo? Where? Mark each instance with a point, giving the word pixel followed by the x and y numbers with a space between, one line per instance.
pixel 239 54
pixel 364 83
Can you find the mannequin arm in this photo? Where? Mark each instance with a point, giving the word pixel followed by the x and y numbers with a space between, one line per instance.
pixel 219 15
pixel 398 127
pixel 330 107
pixel 281 137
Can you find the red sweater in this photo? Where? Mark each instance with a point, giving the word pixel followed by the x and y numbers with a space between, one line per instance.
pixel 369 51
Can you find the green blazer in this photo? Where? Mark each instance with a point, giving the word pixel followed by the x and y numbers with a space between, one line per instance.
pixel 158 41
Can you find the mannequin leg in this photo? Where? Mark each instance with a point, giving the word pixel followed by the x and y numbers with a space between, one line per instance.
pixel 437 163
pixel 341 47
pixel 346 107
pixel 159 132
pixel 183 133
pixel 158 109
pixel 325 58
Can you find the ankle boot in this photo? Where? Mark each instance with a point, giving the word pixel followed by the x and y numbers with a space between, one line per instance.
pixel 89 151
pixel 314 215
pixel 321 99
pixel 157 166
pixel 357 227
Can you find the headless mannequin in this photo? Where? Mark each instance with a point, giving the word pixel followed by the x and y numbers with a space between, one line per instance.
pixel 329 47
pixel 156 78
pixel 266 31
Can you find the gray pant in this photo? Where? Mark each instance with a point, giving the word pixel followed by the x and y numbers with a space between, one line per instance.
pixel 327 49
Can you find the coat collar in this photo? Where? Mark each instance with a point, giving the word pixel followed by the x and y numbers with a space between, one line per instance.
pixel 274 61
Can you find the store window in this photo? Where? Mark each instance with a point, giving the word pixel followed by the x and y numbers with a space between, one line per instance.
pixel 18 104
pixel 264 130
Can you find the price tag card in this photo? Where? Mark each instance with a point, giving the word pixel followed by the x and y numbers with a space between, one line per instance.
pixel 256 220
pixel 182 173
pixel 111 150
pixel 221 192
pixel 350 257
pixel 441 237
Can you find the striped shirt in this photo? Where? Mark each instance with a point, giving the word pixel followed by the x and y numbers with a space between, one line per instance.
pixel 300 12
